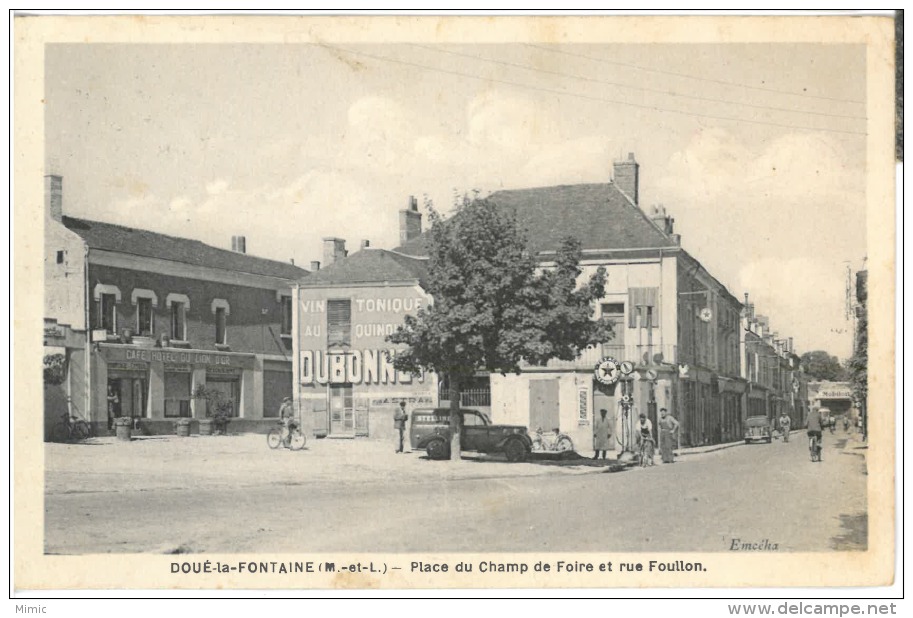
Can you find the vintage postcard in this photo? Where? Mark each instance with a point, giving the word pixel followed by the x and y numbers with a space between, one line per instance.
pixel 453 302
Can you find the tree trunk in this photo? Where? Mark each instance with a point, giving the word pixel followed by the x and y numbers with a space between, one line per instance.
pixel 456 421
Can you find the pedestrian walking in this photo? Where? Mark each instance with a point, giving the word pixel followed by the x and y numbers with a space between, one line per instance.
pixel 113 400
pixel 785 423
pixel 399 423
pixel 668 432
pixel 602 434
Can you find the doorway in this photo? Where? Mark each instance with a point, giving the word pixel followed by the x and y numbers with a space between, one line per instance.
pixel 342 410
pixel 604 399
pixel 129 396
pixel 543 405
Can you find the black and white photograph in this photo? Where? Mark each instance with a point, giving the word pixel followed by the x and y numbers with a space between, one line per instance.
pixel 410 302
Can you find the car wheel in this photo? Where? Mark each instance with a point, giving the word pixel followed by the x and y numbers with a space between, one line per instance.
pixel 515 450
pixel 768 440
pixel 564 444
pixel 436 449
pixel 747 441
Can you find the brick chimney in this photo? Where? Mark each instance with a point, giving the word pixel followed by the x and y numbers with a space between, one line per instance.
pixel 239 244
pixel 53 196
pixel 315 266
pixel 410 221
pixel 333 249
pixel 626 177
pixel 663 221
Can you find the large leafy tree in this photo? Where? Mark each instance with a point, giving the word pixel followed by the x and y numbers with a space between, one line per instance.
pixel 819 365
pixel 493 307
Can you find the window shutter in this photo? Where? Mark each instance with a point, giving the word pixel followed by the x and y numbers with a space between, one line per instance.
pixel 339 322
pixel 638 299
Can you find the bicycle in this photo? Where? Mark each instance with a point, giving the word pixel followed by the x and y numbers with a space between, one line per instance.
pixel 290 436
pixel 814 448
pixel 647 447
pixel 557 441
pixel 71 428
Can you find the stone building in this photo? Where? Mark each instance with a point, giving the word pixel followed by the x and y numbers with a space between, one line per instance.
pixel 143 319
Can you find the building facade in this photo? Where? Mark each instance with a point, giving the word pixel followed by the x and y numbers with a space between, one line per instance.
pixel 677 328
pixel 776 382
pixel 148 319
pixel 346 383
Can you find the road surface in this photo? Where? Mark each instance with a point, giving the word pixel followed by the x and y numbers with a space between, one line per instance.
pixel 760 495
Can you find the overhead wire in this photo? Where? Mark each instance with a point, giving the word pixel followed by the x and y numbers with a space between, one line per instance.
pixel 641 88
pixel 586 97
pixel 695 77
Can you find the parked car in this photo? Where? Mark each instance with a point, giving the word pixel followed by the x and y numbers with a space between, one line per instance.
pixel 757 428
pixel 430 431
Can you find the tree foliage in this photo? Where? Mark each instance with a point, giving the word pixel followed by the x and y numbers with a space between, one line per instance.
pixel 493 308
pixel 819 365
pixel 55 368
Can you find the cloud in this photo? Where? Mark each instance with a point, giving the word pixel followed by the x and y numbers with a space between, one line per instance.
pixel 217 186
pixel 805 299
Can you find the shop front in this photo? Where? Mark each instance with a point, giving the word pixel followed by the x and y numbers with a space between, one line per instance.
pixel 156 386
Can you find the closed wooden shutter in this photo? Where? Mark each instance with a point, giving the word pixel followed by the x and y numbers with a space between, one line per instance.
pixel 339 322
pixel 638 300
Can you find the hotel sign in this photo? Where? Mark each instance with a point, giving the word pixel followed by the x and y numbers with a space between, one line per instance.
pixel 183 357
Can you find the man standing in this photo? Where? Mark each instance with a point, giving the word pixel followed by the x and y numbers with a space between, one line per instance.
pixel 668 431
pixel 602 434
pixel 399 423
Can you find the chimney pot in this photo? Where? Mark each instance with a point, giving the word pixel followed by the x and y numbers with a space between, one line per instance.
pixel 239 244
pixel 315 265
pixel 53 196
pixel 333 249
pixel 626 177
pixel 365 244
pixel 410 221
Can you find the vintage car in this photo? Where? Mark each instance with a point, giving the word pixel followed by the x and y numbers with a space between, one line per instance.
pixel 757 428
pixel 430 431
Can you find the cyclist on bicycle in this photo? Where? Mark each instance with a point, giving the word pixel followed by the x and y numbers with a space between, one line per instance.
pixel 644 429
pixel 287 416
pixel 785 422
pixel 814 430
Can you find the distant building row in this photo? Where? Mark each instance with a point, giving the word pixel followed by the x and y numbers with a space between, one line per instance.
pixel 144 319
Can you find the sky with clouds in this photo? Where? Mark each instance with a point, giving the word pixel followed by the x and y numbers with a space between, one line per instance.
pixel 758 151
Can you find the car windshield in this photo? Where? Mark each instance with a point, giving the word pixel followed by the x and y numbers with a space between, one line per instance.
pixel 474 419
pixel 756 421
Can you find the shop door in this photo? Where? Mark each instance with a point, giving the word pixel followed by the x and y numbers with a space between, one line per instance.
pixel 342 411
pixel 602 400
pixel 131 396
pixel 543 405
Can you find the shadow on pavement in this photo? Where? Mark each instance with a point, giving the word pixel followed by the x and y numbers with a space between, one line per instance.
pixel 856 533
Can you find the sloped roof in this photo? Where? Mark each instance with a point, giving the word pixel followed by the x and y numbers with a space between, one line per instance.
pixel 122 239
pixel 370 266
pixel 599 215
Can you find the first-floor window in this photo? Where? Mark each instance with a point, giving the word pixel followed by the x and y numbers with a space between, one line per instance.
pixel 177 320
pixel 106 312
pixel 286 315
pixel 220 325
pixel 144 316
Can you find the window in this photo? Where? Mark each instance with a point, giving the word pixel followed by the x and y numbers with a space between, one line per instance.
pixel 60 257
pixel 144 316
pixel 220 325
pixel 644 302
pixel 221 311
pixel 286 315
pixel 177 393
pixel 339 323
pixel 106 313
pixel 178 305
pixel 177 321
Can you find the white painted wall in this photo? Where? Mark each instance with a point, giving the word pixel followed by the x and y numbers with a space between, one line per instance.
pixel 64 284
